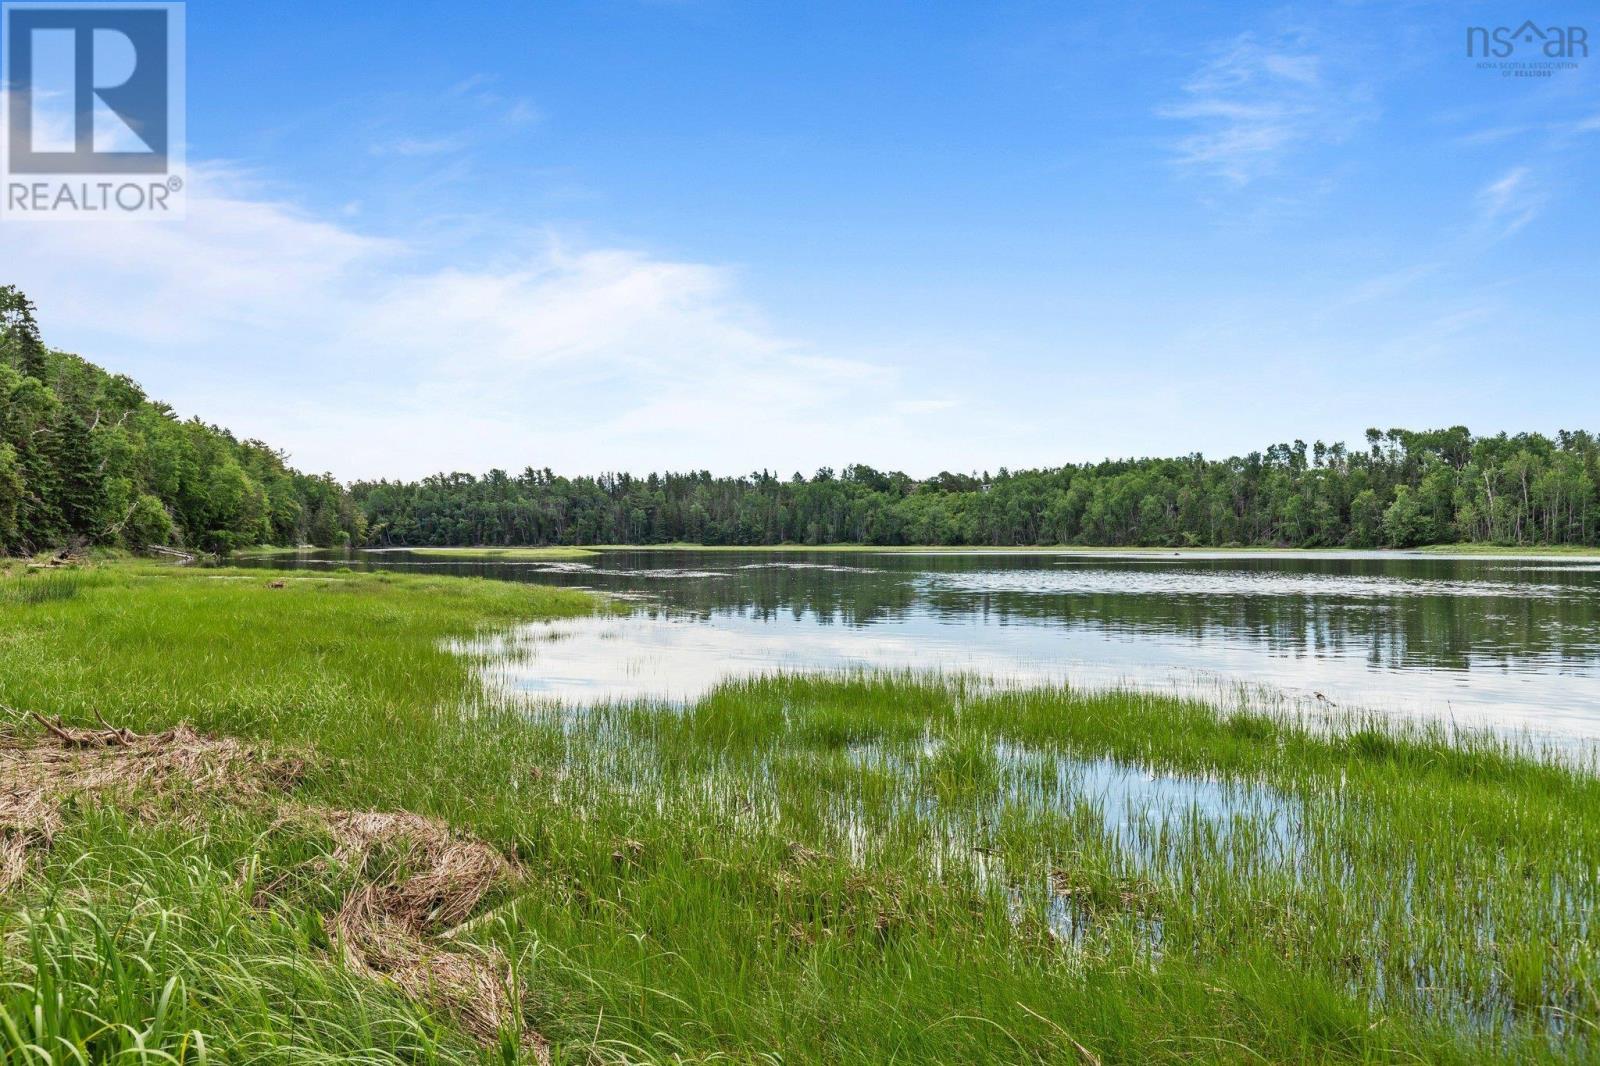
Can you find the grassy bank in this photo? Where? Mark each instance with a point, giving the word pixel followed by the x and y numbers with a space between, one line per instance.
pixel 871 869
pixel 1528 552
pixel 509 554
pixel 1513 551
pixel 957 549
pixel 266 550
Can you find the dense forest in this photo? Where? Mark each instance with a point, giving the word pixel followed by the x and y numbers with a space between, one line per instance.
pixel 1401 490
pixel 86 458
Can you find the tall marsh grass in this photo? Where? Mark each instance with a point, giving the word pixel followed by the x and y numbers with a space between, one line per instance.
pixel 864 869
pixel 47 586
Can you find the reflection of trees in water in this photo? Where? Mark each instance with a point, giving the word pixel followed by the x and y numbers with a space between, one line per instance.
pixel 1399 631
pixel 1405 629
pixel 829 597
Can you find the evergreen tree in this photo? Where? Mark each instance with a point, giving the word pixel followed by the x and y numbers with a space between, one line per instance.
pixel 20 344
pixel 85 456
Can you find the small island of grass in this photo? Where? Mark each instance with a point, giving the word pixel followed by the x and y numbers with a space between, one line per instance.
pixel 505 554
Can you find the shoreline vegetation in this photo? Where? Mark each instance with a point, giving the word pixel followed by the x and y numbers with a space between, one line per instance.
pixel 275 815
pixel 1511 551
pixel 579 552
pixel 207 850
pixel 267 551
pixel 87 458
pixel 1404 489
pixel 508 554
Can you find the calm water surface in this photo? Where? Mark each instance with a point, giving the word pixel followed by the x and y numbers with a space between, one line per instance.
pixel 1512 643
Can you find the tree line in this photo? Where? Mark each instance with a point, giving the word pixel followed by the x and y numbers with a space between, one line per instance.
pixel 1401 489
pixel 86 457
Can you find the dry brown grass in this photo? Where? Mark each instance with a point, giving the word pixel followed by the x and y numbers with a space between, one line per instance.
pixel 433 879
pixel 419 878
pixel 145 773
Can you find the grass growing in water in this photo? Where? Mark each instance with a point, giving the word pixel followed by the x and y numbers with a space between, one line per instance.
pixel 866 869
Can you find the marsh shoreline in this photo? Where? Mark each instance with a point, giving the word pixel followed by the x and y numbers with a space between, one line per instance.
pixel 827 869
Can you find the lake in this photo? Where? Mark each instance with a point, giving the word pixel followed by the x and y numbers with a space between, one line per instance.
pixel 1481 641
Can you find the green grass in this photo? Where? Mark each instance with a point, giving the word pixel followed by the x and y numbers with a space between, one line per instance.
pixel 956 549
pixel 502 553
pixel 864 869
pixel 561 552
pixel 1056 549
pixel 262 550
pixel 43 586
pixel 1515 551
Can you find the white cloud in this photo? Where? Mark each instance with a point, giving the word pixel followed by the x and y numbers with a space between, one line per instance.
pixel 359 355
pixel 1254 104
pixel 1490 135
pixel 513 110
pixel 418 146
pixel 924 407
pixel 521 112
pixel 238 264
pixel 1509 202
pixel 1390 284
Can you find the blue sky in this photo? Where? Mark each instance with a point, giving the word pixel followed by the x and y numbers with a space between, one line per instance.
pixel 743 235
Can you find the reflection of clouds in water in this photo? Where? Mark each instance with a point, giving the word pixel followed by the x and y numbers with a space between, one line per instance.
pixel 677 657
pixel 546 566
pixel 673 572
pixel 666 573
pixel 1176 582
pixel 1139 804
pixel 1508 642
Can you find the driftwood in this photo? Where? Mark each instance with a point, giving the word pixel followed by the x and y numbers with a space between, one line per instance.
pixel 109 737
pixel 64 557
pixel 184 558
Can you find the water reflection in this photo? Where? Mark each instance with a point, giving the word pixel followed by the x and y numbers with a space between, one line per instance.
pixel 1485 641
